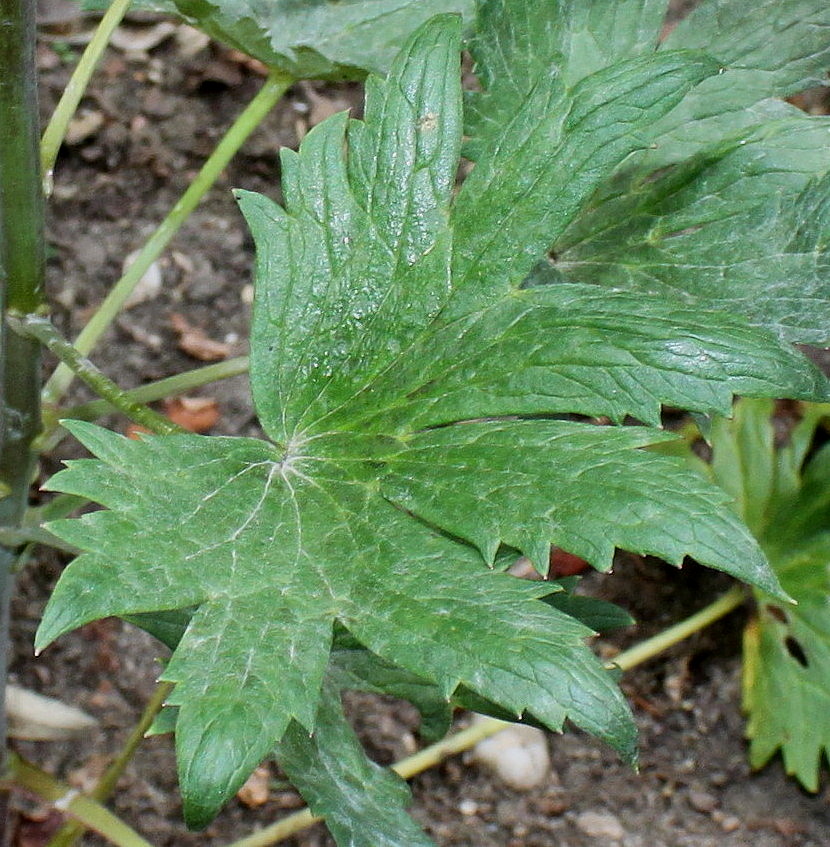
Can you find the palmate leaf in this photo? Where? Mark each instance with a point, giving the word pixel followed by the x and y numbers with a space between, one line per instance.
pixel 744 227
pixel 786 685
pixel 390 463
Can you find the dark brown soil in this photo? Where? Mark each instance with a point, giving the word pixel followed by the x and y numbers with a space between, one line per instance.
pixel 159 115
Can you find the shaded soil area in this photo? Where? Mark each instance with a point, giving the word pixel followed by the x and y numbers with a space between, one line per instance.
pixel 146 125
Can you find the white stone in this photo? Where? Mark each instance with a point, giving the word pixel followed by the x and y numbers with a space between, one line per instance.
pixel 600 825
pixel 518 755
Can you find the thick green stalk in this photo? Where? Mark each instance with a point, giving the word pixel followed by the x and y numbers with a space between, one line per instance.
pixel 22 263
pixel 56 130
pixel 273 89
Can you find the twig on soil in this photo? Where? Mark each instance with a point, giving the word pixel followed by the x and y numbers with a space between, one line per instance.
pixel 42 329
pixel 72 831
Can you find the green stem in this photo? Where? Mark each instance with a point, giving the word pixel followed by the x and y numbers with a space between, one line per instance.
pixel 72 831
pixel 464 740
pixel 661 642
pixel 167 387
pixel 92 814
pixel 74 91
pixel 11 537
pixel 22 263
pixel 273 89
pixel 53 433
pixel 42 330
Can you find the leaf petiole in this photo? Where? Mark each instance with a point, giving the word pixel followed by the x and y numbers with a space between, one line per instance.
pixel 42 330
pixel 56 130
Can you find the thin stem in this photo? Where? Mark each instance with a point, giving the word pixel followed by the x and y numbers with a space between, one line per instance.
pixel 72 831
pixel 92 814
pixel 464 740
pixel 22 263
pixel 273 89
pixel 42 330
pixel 74 91
pixel 661 642
pixel 169 386
pixel 17 537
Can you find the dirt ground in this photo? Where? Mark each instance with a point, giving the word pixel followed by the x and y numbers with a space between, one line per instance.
pixel 146 125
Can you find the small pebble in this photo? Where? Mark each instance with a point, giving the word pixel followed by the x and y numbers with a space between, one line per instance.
pixel 702 801
pixel 468 808
pixel 518 755
pixel 148 286
pixel 730 823
pixel 600 825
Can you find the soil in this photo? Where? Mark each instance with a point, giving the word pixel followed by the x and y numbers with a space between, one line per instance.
pixel 154 116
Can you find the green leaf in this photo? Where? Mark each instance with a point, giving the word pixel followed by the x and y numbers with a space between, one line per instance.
pixel 543 164
pixel 743 227
pixel 786 647
pixel 361 802
pixel 578 349
pixel 360 670
pixel 312 39
pixel 273 549
pixel 590 494
pixel 390 367
pixel 600 615
pixel 368 240
pixel 767 49
pixel 518 46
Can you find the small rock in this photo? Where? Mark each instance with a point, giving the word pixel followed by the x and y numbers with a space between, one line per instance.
pixel 600 825
pixel 703 801
pixel 468 808
pixel 730 823
pixel 133 39
pixel 191 41
pixel 518 755
pixel 148 286
pixel 83 126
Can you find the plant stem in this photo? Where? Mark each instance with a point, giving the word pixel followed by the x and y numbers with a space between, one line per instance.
pixel 53 434
pixel 91 813
pixel 74 91
pixel 273 89
pixel 10 537
pixel 661 642
pixel 464 740
pixel 42 330
pixel 73 830
pixel 22 263
pixel 167 387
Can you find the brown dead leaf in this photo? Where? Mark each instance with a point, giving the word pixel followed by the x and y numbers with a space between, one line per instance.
pixel 196 414
pixel 133 430
pixel 194 341
pixel 563 564
pixel 255 791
